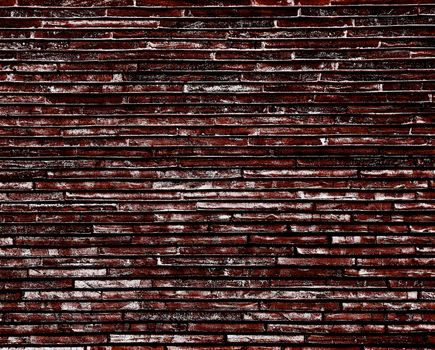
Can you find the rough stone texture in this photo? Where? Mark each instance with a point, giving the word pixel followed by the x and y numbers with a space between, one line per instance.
pixel 229 175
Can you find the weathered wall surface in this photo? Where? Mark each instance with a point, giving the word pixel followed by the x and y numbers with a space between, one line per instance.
pixel 216 174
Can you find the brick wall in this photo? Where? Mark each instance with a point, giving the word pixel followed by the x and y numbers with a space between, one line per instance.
pixel 253 174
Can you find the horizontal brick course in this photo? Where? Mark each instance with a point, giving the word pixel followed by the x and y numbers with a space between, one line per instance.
pixel 228 175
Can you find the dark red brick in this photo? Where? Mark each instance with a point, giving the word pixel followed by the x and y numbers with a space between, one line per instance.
pixel 227 175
